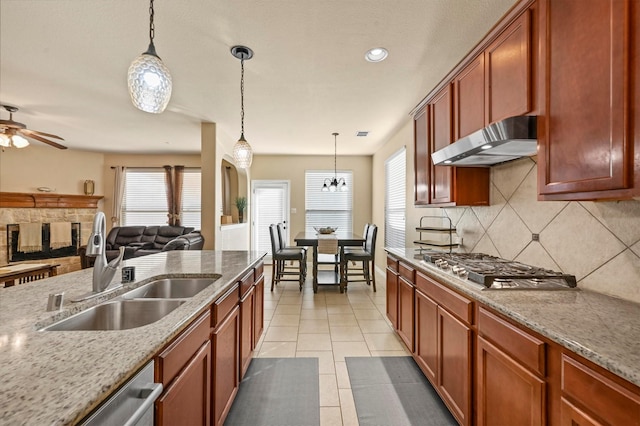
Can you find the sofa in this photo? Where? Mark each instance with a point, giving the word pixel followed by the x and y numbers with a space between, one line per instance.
pixel 145 240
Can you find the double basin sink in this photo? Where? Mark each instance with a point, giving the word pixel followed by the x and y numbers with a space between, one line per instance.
pixel 141 306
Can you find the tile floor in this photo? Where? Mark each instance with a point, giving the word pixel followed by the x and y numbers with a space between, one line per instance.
pixel 328 326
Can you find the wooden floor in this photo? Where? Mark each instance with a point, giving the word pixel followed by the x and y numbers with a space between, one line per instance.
pixel 328 325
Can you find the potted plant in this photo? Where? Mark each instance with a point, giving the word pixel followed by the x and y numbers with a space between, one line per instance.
pixel 241 204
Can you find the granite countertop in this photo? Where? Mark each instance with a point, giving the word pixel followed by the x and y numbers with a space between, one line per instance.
pixel 57 377
pixel 602 329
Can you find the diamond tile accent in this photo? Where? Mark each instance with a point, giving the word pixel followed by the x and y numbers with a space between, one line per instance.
pixel 509 234
pixel 507 177
pixel 636 248
pixel 487 214
pixel 535 214
pixel 578 242
pixel 470 230
pixel 485 245
pixel 455 214
pixel 620 217
pixel 535 254
pixel 620 277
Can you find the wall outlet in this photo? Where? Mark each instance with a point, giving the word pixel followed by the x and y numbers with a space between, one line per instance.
pixel 294 210
pixel 535 237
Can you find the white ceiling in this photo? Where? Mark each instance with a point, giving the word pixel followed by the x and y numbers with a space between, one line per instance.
pixel 64 63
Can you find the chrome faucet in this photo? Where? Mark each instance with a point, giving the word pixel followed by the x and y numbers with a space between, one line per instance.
pixel 103 272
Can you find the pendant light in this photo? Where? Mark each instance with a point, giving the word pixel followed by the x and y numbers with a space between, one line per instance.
pixel 331 185
pixel 148 79
pixel 242 152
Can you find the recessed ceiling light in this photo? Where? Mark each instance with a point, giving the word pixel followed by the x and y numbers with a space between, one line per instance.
pixel 377 54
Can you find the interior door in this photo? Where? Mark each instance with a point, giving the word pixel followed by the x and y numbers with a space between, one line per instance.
pixel 270 204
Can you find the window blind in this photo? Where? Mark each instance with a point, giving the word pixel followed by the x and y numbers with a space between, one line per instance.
pixel 328 208
pixel 270 201
pixel 395 199
pixel 191 198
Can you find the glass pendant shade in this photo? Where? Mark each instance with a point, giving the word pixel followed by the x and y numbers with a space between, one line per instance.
pixel 242 153
pixel 19 142
pixel 149 83
pixel 4 140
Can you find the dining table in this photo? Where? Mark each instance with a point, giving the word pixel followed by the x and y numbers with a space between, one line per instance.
pixel 335 276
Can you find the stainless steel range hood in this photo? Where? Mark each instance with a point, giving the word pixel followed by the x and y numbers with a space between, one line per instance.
pixel 505 140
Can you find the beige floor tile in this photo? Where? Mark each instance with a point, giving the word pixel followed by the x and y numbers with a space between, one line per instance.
pixel 316 313
pixel 339 309
pixel 346 334
pixel 342 375
pixel 270 304
pixel 313 326
pixel 311 304
pixel 337 299
pixel 330 416
pixel 325 360
pixel 285 320
pixel 342 349
pixel 290 300
pixel 382 341
pixel 367 314
pixel 277 350
pixel 391 353
pixel 345 320
pixel 281 334
pixel 314 342
pixel 287 309
pixel 374 326
pixel 268 314
pixel 329 391
pixel 348 408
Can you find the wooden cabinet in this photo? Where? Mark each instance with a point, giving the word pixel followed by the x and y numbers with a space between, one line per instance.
pixel 589 74
pixel 225 363
pixel 422 157
pixel 258 314
pixel 469 89
pixel 510 366
pixel 406 304
pixel 247 312
pixel 508 76
pixel 443 343
pixel 441 135
pixel 184 369
pixel 392 291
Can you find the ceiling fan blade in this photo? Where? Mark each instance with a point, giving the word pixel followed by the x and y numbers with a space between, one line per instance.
pixel 30 134
pixel 35 132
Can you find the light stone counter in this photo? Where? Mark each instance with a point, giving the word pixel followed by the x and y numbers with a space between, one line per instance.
pixel 57 377
pixel 602 329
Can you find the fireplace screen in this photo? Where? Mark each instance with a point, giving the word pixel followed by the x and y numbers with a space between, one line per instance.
pixel 13 236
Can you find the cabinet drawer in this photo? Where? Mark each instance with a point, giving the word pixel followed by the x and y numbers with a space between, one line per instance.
pixel 392 263
pixel 246 283
pixel 179 352
pixel 459 306
pixel 607 399
pixel 407 272
pixel 528 350
pixel 224 305
pixel 259 271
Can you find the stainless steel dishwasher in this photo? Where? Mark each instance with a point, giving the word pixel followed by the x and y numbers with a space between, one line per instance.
pixel 131 405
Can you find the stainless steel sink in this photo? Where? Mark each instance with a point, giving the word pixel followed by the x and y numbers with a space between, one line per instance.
pixel 117 315
pixel 170 288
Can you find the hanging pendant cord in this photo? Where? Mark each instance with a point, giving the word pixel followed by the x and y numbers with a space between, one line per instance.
pixel 335 157
pixel 151 25
pixel 242 96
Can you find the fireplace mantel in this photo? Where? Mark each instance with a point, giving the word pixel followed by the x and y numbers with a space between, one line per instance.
pixel 48 200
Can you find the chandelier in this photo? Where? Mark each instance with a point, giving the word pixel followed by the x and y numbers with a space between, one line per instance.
pixel 331 185
pixel 242 152
pixel 148 79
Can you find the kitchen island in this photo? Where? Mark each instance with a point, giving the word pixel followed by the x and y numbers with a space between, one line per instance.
pixel 57 378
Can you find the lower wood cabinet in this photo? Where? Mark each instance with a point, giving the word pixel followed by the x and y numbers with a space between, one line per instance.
pixel 258 315
pixel 405 311
pixel 426 335
pixel 247 308
pixel 392 291
pixel 225 379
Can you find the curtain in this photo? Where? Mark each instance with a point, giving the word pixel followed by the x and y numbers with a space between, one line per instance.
pixel 118 192
pixel 177 194
pixel 168 180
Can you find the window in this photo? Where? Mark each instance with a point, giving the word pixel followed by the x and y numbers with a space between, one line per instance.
pixel 145 198
pixel 395 199
pixel 328 208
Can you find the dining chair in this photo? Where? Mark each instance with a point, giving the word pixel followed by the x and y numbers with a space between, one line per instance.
pixel 280 255
pixel 366 255
pixel 283 245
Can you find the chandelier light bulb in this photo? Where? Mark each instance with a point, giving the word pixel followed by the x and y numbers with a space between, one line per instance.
pixel 5 141
pixel 19 142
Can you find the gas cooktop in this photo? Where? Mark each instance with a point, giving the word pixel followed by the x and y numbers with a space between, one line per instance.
pixel 496 273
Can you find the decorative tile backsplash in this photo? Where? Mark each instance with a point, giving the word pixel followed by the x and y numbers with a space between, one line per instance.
pixel 598 242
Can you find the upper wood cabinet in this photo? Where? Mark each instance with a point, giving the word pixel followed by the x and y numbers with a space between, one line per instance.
pixel 421 159
pixel 441 136
pixel 469 89
pixel 589 76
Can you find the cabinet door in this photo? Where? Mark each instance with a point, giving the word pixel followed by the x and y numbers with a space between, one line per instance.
pixel 258 316
pixel 454 368
pixel 440 137
pixel 469 98
pixel 426 339
pixel 405 312
pixel 225 366
pixel 570 415
pixel 247 306
pixel 508 72
pixel 392 297
pixel 421 159
pixel 187 399
pixel 507 393
pixel 585 145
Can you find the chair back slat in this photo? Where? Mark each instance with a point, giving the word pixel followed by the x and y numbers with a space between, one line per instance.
pixel 275 240
pixel 283 243
pixel 370 242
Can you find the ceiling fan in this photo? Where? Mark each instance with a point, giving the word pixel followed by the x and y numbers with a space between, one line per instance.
pixel 12 133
